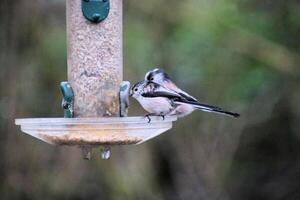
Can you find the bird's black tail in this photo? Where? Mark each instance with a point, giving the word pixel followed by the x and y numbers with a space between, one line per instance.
pixel 214 109
pixel 210 108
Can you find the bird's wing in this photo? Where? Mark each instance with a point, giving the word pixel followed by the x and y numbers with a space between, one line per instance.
pixel 171 86
pixel 156 90
pixel 188 97
pixel 160 94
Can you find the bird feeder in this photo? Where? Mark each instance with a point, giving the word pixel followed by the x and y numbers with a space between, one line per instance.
pixel 95 97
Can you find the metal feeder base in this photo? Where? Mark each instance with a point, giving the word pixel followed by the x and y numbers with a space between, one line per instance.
pixel 95 131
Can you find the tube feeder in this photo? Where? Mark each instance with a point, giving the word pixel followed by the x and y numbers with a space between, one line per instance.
pixel 95 98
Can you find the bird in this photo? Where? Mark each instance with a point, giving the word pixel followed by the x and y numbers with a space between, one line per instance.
pixel 160 101
pixel 159 76
pixel 187 103
pixel 155 99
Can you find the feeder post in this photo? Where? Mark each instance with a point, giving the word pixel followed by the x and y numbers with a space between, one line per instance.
pixel 95 60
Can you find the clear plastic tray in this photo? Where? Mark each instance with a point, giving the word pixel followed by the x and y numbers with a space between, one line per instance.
pixel 95 131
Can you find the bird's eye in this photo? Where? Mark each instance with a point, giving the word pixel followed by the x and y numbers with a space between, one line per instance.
pixel 151 79
pixel 135 89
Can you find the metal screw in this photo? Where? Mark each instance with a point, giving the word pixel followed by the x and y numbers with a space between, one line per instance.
pixel 87 152
pixel 96 17
pixel 105 154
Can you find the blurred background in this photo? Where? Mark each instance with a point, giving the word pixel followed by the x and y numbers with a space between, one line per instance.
pixel 242 55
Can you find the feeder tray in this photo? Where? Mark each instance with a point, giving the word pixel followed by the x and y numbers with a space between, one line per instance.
pixel 95 131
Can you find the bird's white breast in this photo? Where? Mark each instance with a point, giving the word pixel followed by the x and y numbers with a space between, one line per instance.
pixel 156 105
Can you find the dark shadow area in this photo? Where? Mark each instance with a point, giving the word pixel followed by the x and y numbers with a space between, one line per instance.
pixel 267 161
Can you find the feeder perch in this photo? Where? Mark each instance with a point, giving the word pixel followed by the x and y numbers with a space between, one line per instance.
pixel 95 98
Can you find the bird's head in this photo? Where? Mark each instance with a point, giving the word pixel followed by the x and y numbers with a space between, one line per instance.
pixel 157 75
pixel 137 89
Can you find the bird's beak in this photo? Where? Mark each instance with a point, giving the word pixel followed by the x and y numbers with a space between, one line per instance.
pixel 130 93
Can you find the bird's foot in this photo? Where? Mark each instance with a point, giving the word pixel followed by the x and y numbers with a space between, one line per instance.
pixel 148 117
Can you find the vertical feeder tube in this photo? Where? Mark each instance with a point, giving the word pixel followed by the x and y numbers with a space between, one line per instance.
pixel 95 60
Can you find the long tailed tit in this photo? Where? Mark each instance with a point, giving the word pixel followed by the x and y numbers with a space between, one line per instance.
pixel 158 100
pixel 187 103
pixel 151 98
